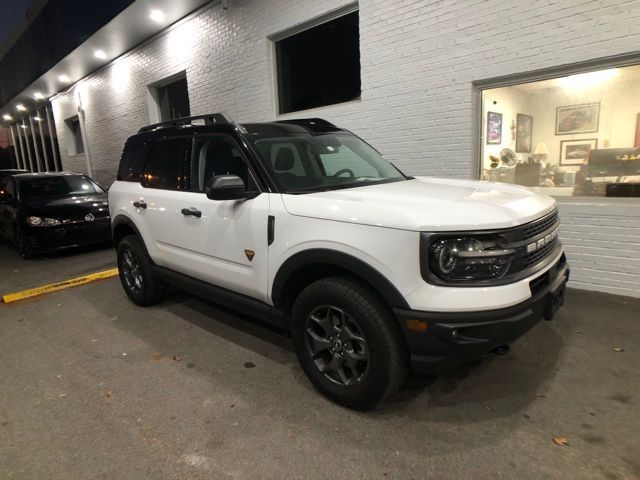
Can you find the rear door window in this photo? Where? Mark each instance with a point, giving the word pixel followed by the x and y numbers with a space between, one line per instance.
pixel 132 161
pixel 167 166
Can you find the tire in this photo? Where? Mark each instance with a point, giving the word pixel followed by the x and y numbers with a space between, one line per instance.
pixel 369 331
pixel 23 245
pixel 136 276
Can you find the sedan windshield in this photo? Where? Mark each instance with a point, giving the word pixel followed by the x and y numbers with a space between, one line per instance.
pixel 303 162
pixel 38 188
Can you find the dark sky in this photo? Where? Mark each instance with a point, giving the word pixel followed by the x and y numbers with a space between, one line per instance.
pixel 11 12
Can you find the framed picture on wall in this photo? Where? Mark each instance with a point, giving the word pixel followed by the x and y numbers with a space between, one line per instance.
pixel 576 152
pixel 577 119
pixel 524 129
pixel 494 128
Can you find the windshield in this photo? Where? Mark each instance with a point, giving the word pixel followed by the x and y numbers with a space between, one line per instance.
pixel 302 162
pixel 60 186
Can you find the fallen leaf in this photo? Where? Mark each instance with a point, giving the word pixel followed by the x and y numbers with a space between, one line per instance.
pixel 156 356
pixel 249 365
pixel 188 327
pixel 618 349
pixel 562 441
pixel 108 393
pixel 540 395
pixel 177 358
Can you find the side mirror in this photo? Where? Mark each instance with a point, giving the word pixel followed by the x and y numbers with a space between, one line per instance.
pixel 227 187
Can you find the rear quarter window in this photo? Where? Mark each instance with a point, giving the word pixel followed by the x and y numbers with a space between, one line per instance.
pixel 132 161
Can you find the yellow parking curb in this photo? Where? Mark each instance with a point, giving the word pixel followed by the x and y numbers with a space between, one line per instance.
pixel 54 287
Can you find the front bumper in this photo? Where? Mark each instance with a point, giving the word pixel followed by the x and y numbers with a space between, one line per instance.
pixel 452 339
pixel 56 238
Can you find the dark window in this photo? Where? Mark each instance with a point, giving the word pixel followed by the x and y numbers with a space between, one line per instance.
pixel 132 160
pixel 75 136
pixel 173 100
pixel 320 66
pixel 166 165
pixel 217 156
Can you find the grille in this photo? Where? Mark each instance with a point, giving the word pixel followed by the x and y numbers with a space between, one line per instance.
pixel 539 226
pixel 534 257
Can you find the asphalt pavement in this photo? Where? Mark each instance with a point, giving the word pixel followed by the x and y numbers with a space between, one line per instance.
pixel 92 386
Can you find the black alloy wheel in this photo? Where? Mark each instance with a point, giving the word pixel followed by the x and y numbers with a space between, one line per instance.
pixel 337 346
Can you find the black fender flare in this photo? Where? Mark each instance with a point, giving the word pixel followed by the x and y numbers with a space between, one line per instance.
pixel 339 261
pixel 121 220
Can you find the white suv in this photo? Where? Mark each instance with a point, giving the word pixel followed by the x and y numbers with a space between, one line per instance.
pixel 304 225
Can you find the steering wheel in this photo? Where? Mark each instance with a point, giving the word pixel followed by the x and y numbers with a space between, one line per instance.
pixel 345 170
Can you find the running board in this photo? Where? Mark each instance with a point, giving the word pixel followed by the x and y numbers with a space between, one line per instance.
pixel 235 301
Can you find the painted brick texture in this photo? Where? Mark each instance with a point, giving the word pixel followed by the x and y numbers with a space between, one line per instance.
pixel 419 59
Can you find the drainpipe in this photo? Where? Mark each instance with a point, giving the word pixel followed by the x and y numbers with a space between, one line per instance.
pixel 83 133
pixel 57 164
pixel 35 144
pixel 15 148
pixel 44 146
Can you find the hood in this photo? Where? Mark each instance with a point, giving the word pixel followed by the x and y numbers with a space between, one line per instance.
pixel 426 204
pixel 68 207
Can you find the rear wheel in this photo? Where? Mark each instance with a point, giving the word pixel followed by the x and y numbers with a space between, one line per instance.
pixel 136 276
pixel 348 342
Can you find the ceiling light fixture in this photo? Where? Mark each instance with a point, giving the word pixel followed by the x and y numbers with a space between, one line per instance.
pixel 100 54
pixel 21 108
pixel 37 118
pixel 64 78
pixel 157 15
pixel 7 117
pixel 38 96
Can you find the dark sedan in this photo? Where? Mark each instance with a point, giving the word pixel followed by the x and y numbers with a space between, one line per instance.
pixel 48 212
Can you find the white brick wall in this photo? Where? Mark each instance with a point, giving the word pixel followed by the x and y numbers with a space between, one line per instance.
pixel 418 58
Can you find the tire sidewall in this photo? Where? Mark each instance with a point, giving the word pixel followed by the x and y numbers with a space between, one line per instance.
pixel 145 294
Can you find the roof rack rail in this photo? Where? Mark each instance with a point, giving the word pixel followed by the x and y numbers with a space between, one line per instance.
pixel 211 118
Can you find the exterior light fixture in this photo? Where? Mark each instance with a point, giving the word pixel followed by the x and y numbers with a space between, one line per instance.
pixel 64 78
pixel 21 108
pixel 156 16
pixel 37 118
pixel 7 117
pixel 100 54
pixel 38 96
pixel 23 127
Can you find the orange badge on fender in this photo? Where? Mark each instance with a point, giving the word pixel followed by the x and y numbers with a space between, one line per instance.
pixel 250 254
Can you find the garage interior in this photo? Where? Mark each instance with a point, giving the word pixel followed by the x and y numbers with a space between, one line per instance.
pixel 94 386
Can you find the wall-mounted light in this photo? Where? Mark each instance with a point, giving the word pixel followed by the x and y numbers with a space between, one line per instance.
pixel 21 108
pixel 38 96
pixel 37 118
pixel 23 126
pixel 156 15
pixel 7 117
pixel 64 78
pixel 100 54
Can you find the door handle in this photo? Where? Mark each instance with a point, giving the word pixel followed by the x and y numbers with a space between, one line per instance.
pixel 140 204
pixel 191 212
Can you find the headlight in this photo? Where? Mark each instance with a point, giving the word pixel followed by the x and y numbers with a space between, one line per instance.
pixel 42 222
pixel 468 258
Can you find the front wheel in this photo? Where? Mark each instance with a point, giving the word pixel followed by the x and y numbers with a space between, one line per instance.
pixel 348 342
pixel 136 276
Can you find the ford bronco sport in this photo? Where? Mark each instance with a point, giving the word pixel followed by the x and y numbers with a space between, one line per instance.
pixel 304 225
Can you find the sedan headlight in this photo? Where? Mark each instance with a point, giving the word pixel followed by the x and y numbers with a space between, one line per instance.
pixel 42 222
pixel 463 259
